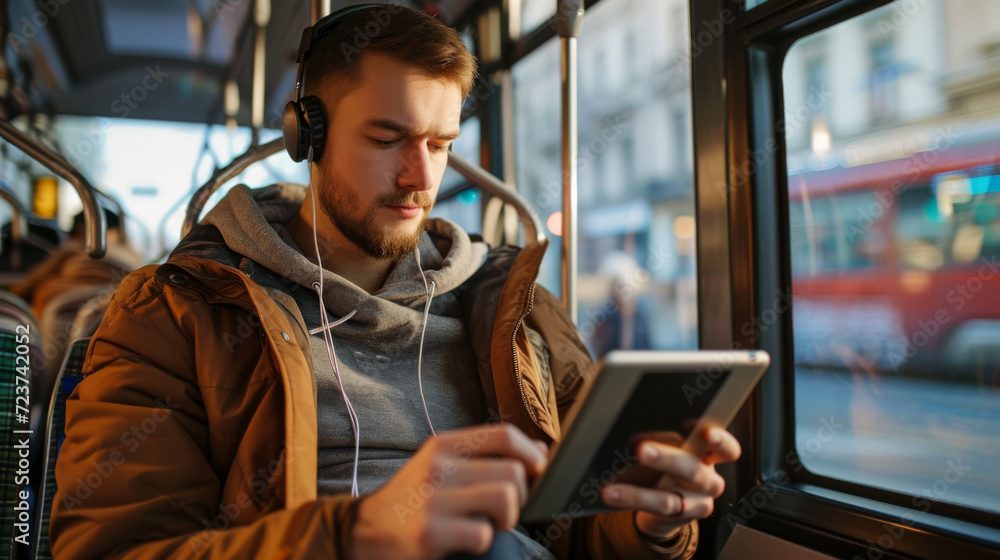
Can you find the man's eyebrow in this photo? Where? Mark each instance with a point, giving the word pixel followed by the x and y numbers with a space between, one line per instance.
pixel 396 126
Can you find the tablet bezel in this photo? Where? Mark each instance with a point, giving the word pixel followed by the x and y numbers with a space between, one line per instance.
pixel 600 401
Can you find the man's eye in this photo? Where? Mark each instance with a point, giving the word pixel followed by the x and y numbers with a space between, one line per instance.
pixel 437 147
pixel 384 143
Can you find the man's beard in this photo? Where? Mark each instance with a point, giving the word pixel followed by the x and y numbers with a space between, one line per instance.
pixel 343 207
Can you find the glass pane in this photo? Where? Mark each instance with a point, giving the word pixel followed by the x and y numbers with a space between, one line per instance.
pixel 114 153
pixel 751 4
pixel 892 129
pixel 636 272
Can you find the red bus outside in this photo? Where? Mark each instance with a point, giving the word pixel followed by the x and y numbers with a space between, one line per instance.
pixel 896 264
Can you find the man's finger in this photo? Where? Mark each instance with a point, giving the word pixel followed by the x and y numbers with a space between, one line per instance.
pixel 682 468
pixel 542 447
pixel 476 471
pixel 459 534
pixel 668 437
pixel 496 500
pixel 722 446
pixel 678 505
pixel 504 439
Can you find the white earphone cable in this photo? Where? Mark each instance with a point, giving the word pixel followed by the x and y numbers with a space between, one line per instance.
pixel 429 290
pixel 326 326
pixel 328 339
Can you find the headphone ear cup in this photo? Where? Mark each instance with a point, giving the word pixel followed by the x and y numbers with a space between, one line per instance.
pixel 313 110
pixel 294 131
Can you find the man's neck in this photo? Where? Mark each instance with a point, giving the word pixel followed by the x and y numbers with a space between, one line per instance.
pixel 339 255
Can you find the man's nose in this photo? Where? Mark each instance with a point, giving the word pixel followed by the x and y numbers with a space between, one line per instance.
pixel 416 169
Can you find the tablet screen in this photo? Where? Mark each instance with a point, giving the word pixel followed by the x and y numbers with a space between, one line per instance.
pixel 662 402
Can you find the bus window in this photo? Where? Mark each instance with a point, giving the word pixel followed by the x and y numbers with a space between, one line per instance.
pixel 824 239
pixel 894 234
pixel 150 166
pixel 534 13
pixel 636 269
pixel 921 231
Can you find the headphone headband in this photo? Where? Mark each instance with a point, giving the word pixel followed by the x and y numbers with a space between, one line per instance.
pixel 319 30
pixel 302 123
pixel 325 25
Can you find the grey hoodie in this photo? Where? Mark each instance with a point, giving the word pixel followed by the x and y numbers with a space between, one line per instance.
pixel 377 348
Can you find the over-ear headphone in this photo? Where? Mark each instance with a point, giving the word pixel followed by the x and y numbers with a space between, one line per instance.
pixel 302 124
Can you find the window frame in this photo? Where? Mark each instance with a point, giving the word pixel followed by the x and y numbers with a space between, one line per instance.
pixel 836 516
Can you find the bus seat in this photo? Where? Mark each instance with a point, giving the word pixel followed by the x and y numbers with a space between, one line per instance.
pixel 16 259
pixel 89 317
pixel 16 322
pixel 69 376
pixel 57 317
pixel 17 308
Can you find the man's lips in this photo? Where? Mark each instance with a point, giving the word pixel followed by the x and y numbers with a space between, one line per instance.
pixel 406 211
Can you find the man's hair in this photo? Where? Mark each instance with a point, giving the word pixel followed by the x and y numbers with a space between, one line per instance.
pixel 399 33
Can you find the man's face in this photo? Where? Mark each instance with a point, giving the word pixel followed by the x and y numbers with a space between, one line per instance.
pixel 386 151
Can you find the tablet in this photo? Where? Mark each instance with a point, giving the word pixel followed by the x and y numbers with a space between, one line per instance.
pixel 638 395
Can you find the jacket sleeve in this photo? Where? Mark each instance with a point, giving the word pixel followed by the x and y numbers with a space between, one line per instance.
pixel 614 535
pixel 611 535
pixel 137 478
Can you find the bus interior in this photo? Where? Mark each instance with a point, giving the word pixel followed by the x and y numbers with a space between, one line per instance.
pixel 819 179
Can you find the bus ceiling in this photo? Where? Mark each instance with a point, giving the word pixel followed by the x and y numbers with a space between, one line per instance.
pixel 165 60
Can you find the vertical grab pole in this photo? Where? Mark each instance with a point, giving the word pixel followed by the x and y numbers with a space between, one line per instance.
pixel 320 9
pixel 569 20
pixel 261 17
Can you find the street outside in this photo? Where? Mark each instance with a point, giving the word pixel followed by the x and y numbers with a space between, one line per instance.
pixel 932 439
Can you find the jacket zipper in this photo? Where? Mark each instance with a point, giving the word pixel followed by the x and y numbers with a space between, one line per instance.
pixel 513 342
pixel 203 277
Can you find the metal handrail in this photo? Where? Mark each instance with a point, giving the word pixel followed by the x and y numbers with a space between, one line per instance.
pixel 96 226
pixel 235 167
pixel 18 219
pixel 119 211
pixel 483 179
pixel 261 15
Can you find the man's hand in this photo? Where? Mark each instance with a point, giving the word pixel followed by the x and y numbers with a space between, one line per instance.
pixel 686 490
pixel 451 495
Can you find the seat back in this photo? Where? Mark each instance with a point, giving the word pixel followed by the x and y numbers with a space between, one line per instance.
pixel 20 446
pixel 69 376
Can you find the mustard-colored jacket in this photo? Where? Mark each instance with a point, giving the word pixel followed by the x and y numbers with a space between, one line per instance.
pixel 194 432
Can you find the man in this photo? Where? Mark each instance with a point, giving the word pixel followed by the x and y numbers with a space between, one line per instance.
pixel 212 409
